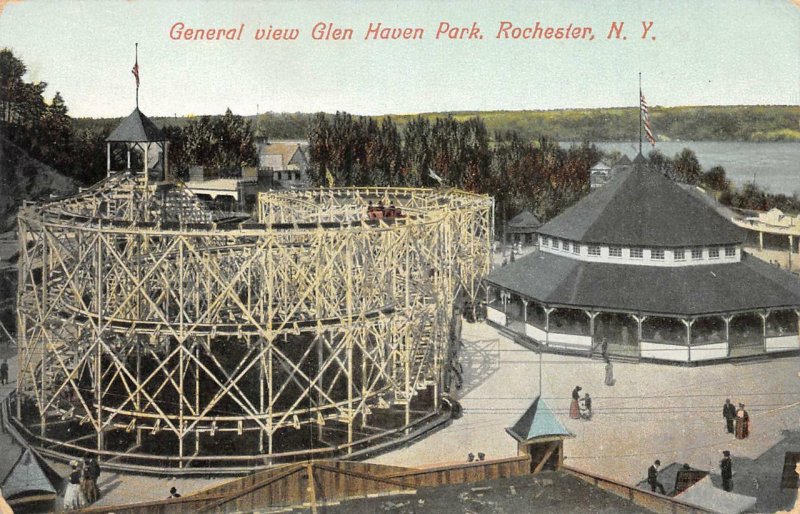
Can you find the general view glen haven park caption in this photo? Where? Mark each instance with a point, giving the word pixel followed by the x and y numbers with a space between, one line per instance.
pixel 578 310
pixel 378 31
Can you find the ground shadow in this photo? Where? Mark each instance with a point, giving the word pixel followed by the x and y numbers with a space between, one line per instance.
pixel 479 361
pixel 761 477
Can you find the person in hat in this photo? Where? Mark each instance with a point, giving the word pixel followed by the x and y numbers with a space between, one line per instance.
pixel 652 477
pixel 73 497
pixel 173 492
pixel 742 423
pixel 91 472
pixel 574 407
pixel 729 413
pixel 726 469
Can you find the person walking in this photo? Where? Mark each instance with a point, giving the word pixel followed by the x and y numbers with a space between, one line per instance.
pixel 604 349
pixel 742 423
pixel 609 374
pixel 4 372
pixel 729 413
pixel 652 477
pixel 726 469
pixel 574 407
pixel 73 497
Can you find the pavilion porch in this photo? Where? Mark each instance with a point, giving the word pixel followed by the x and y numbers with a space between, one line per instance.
pixel 643 335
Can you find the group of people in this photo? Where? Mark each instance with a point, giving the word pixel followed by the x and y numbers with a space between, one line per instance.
pixel 380 211
pixel 581 407
pixel 82 488
pixel 725 467
pixel 737 421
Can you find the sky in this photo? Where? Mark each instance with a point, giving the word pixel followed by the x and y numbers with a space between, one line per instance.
pixel 725 52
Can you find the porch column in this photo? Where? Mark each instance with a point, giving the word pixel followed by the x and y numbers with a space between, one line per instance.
pixel 688 323
pixel 791 249
pixel 108 159
pixel 764 315
pixel 639 321
pixel 727 320
pixel 524 311
pixel 592 315
pixel 547 311
pixel 760 240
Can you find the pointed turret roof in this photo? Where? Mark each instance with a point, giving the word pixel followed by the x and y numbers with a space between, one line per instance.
pixel 136 128
pixel 525 219
pixel 26 477
pixel 640 207
pixel 623 161
pixel 537 421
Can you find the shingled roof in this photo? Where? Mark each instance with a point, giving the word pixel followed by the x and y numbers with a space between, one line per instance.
pixel 525 219
pixel 678 291
pixel 136 128
pixel 640 207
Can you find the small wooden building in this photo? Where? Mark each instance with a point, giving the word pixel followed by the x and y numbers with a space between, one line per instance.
pixel 522 228
pixel 541 435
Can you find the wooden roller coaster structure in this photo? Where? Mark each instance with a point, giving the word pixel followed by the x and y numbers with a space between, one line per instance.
pixel 163 339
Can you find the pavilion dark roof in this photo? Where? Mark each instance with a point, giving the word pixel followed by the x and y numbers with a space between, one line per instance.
pixel 525 219
pixel 640 207
pixel 136 128
pixel 679 291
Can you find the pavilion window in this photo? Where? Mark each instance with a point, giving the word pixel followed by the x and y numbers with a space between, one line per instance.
pixel 615 251
pixel 730 251
pixel 576 248
pixel 680 255
pixel 697 254
pixel 657 254
pixel 555 244
pixel 637 253
pixel 713 253
pixel 594 251
pixel 566 246
pixel 545 241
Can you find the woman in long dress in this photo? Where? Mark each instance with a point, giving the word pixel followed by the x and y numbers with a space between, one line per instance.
pixel 610 373
pixel 73 497
pixel 574 407
pixel 742 423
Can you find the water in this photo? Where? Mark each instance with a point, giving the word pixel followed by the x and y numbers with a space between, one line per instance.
pixel 776 166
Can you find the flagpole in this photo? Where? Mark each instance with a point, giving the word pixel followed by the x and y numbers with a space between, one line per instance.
pixel 640 112
pixel 137 86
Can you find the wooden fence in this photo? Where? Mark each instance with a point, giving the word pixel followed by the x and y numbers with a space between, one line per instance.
pixel 331 481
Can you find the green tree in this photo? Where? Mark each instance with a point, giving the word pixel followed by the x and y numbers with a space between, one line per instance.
pixel 686 167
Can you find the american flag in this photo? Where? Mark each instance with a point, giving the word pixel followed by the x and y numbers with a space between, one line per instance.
pixel 135 72
pixel 646 119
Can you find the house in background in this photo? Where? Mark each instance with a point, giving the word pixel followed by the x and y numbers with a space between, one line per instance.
pixel 599 174
pixel 285 163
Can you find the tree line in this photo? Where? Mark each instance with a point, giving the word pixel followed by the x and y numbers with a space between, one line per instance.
pixel 540 176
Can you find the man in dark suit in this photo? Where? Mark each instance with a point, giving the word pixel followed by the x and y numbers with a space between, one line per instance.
pixel 726 469
pixel 729 413
pixel 652 477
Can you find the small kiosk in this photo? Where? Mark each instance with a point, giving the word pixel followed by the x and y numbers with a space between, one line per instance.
pixel 541 435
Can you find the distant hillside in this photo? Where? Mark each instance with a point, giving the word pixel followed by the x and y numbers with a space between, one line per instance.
pixel 711 123
pixel 25 178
